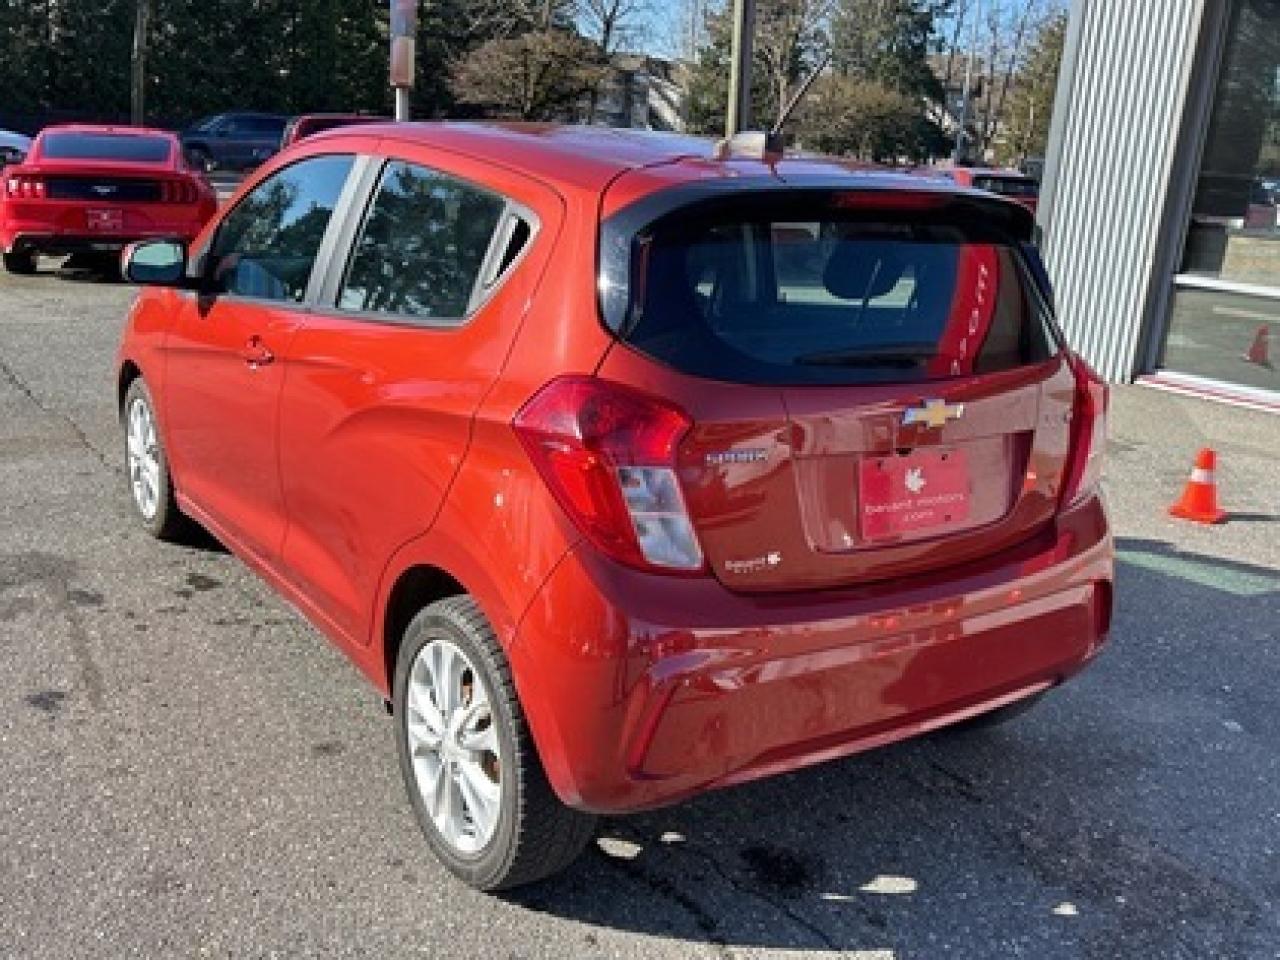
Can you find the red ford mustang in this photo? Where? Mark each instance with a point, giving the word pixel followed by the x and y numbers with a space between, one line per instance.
pixel 95 189
pixel 623 469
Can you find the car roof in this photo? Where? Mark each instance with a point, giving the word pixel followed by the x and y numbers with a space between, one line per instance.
pixel 107 128
pixel 592 157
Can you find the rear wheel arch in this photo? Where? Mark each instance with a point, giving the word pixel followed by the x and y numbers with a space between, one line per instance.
pixel 416 588
pixel 129 372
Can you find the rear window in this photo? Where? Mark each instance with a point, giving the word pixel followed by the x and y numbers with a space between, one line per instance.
pixel 842 296
pixel 1008 186
pixel 105 146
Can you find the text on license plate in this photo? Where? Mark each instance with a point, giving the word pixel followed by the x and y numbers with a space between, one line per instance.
pixel 916 492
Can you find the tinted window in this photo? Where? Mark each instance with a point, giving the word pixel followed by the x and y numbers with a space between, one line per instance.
pixel 105 146
pixel 267 245
pixel 422 245
pixel 838 298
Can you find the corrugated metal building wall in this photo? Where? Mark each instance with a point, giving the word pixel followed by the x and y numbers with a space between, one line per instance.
pixel 1113 153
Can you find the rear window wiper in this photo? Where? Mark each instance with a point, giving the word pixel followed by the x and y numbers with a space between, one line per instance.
pixel 896 355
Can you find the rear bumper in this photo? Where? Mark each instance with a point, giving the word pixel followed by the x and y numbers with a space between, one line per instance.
pixel 644 690
pixel 55 243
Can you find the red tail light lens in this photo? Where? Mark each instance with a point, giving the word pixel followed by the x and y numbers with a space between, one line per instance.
pixel 1088 434
pixel 24 187
pixel 608 454
pixel 178 191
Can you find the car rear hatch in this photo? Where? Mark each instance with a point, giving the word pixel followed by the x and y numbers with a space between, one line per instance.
pixel 874 382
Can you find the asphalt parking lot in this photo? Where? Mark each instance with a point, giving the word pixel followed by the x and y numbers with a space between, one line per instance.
pixel 190 770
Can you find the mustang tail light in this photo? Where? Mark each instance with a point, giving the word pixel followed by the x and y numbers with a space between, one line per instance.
pixel 1088 434
pixel 178 191
pixel 24 187
pixel 608 454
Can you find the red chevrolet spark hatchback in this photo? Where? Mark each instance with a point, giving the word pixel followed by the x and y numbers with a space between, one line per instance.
pixel 623 471
pixel 91 189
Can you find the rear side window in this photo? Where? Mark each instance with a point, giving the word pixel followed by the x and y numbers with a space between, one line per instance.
pixel 423 244
pixel 105 146
pixel 842 297
pixel 267 245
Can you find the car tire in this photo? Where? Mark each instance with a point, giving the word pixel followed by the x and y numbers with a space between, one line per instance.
pixel 20 263
pixel 147 467
pixel 532 835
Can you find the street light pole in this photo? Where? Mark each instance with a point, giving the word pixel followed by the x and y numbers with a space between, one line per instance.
pixel 962 133
pixel 738 116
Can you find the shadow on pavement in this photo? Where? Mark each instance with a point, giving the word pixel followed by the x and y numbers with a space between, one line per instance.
pixel 1124 816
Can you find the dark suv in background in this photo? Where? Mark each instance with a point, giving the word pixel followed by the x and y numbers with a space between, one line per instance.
pixel 233 141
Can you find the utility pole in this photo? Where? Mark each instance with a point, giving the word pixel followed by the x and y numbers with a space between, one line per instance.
pixel 138 63
pixel 738 116
pixel 963 133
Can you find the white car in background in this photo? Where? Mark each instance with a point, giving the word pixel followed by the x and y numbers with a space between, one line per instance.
pixel 13 147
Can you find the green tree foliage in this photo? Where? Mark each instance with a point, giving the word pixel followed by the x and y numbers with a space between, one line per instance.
pixel 72 57
pixel 791 40
pixel 873 96
pixel 888 42
pixel 868 120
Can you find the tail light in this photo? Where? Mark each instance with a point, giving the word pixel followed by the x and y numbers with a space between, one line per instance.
pixel 25 187
pixel 178 191
pixel 608 454
pixel 1088 434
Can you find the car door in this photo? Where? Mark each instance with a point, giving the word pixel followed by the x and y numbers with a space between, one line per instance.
pixel 229 346
pixel 385 378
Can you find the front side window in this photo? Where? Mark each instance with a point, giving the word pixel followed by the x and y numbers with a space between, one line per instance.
pixel 422 246
pixel 267 246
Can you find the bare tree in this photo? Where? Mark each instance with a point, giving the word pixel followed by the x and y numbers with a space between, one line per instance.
pixel 792 38
pixel 613 25
pixel 540 75
pixel 1010 25
pixel 686 32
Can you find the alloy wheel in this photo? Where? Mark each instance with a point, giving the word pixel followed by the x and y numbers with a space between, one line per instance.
pixel 454 747
pixel 144 458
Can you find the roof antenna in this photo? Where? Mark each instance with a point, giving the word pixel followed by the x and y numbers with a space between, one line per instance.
pixel 799 95
pixel 768 145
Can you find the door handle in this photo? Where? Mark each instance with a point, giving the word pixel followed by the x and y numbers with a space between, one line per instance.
pixel 255 353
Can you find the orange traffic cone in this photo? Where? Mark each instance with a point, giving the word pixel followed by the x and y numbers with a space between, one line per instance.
pixel 1260 352
pixel 1199 502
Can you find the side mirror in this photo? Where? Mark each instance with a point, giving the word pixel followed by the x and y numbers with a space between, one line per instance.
pixel 161 263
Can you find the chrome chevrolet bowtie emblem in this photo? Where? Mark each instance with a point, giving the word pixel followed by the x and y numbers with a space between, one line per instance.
pixel 934 413
pixel 104 189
